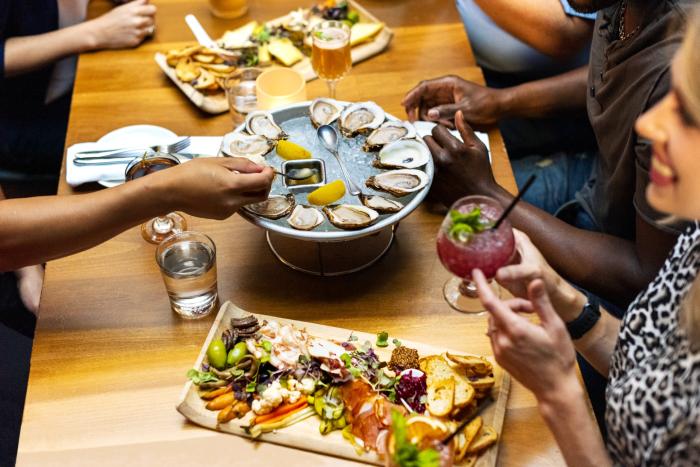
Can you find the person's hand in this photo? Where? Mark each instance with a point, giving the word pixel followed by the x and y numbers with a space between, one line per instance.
pixel 461 168
pixel 214 187
pixel 541 357
pixel 567 301
pixel 124 26
pixel 439 99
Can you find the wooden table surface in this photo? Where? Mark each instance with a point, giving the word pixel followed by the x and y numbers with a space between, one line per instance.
pixel 109 356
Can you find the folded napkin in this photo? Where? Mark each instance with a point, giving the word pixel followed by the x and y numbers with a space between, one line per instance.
pixel 79 174
pixel 424 129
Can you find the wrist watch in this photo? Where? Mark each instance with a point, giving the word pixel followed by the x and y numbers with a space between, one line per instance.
pixel 586 320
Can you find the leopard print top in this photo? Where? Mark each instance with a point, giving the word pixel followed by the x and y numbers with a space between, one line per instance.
pixel 653 393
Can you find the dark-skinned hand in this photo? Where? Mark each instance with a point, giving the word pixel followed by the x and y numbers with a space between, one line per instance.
pixel 439 99
pixel 461 168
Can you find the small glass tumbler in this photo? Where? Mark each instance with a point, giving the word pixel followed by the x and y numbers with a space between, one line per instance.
pixel 240 92
pixel 187 262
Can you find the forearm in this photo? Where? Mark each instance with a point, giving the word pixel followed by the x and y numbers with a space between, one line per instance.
pixel 27 53
pixel 608 266
pixel 546 97
pixel 542 24
pixel 568 417
pixel 35 230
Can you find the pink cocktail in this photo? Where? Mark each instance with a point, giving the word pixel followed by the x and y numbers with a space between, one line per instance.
pixel 473 245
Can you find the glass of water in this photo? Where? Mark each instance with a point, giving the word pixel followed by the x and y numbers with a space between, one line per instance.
pixel 187 262
pixel 240 92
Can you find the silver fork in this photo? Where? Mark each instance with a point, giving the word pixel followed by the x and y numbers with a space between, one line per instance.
pixel 177 146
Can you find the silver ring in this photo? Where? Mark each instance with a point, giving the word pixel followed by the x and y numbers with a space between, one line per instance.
pixel 150 31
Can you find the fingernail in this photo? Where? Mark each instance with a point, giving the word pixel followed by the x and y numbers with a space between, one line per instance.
pixel 433 114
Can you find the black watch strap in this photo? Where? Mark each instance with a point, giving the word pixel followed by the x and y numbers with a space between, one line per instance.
pixel 586 320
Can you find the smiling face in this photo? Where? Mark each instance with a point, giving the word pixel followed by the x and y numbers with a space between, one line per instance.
pixel 673 127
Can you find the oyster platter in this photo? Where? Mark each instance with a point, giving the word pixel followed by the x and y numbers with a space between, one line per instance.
pixel 344 393
pixel 384 158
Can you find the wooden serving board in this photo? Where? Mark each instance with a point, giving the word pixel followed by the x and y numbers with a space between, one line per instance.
pixel 217 103
pixel 305 435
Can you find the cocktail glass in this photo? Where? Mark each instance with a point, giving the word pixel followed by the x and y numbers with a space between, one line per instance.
pixel 488 250
pixel 158 228
pixel 330 52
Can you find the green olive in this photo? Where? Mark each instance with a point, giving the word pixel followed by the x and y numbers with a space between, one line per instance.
pixel 235 355
pixel 216 354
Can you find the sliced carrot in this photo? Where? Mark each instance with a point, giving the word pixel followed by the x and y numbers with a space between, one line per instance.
pixel 214 393
pixel 221 401
pixel 280 411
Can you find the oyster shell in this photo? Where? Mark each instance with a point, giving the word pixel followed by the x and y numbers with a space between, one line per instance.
pixel 398 182
pixel 305 218
pixel 262 123
pixel 403 154
pixel 324 111
pixel 388 132
pixel 381 204
pixel 350 216
pixel 362 117
pixel 242 145
pixel 274 207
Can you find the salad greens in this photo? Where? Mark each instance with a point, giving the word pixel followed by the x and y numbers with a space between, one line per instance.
pixel 199 377
pixel 407 454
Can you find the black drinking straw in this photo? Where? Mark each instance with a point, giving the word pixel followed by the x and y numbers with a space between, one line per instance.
pixel 510 207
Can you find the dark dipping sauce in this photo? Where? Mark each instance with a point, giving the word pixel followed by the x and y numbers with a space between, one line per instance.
pixel 148 166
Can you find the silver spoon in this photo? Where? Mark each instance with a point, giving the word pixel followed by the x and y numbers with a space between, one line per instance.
pixel 329 139
pixel 299 174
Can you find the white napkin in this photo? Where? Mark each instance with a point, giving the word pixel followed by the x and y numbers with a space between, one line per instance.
pixel 77 175
pixel 424 129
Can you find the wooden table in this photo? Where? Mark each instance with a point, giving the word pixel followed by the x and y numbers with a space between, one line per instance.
pixel 110 357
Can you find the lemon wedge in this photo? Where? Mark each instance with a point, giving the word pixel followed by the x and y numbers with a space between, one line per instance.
pixel 292 151
pixel 327 194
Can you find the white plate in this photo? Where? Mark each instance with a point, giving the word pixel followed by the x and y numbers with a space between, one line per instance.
pixel 135 135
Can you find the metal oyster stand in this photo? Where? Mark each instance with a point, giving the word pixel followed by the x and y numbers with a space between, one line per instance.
pixel 328 250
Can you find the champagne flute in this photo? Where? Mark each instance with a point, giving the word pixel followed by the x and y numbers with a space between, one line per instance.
pixel 473 244
pixel 330 52
pixel 158 228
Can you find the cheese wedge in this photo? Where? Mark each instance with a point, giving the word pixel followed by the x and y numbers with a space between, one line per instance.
pixel 239 38
pixel 361 32
pixel 284 51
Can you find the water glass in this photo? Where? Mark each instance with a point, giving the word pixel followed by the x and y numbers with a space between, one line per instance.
pixel 240 92
pixel 187 262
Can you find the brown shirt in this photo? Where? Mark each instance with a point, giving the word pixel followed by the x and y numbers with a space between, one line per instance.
pixel 625 79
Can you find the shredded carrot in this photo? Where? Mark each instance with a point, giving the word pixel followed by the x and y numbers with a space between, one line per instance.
pixel 281 412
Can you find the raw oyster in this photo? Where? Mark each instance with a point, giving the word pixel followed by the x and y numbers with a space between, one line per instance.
pixel 381 204
pixel 362 117
pixel 274 207
pixel 305 218
pixel 398 182
pixel 387 133
pixel 242 145
pixel 403 154
pixel 262 123
pixel 324 111
pixel 350 216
